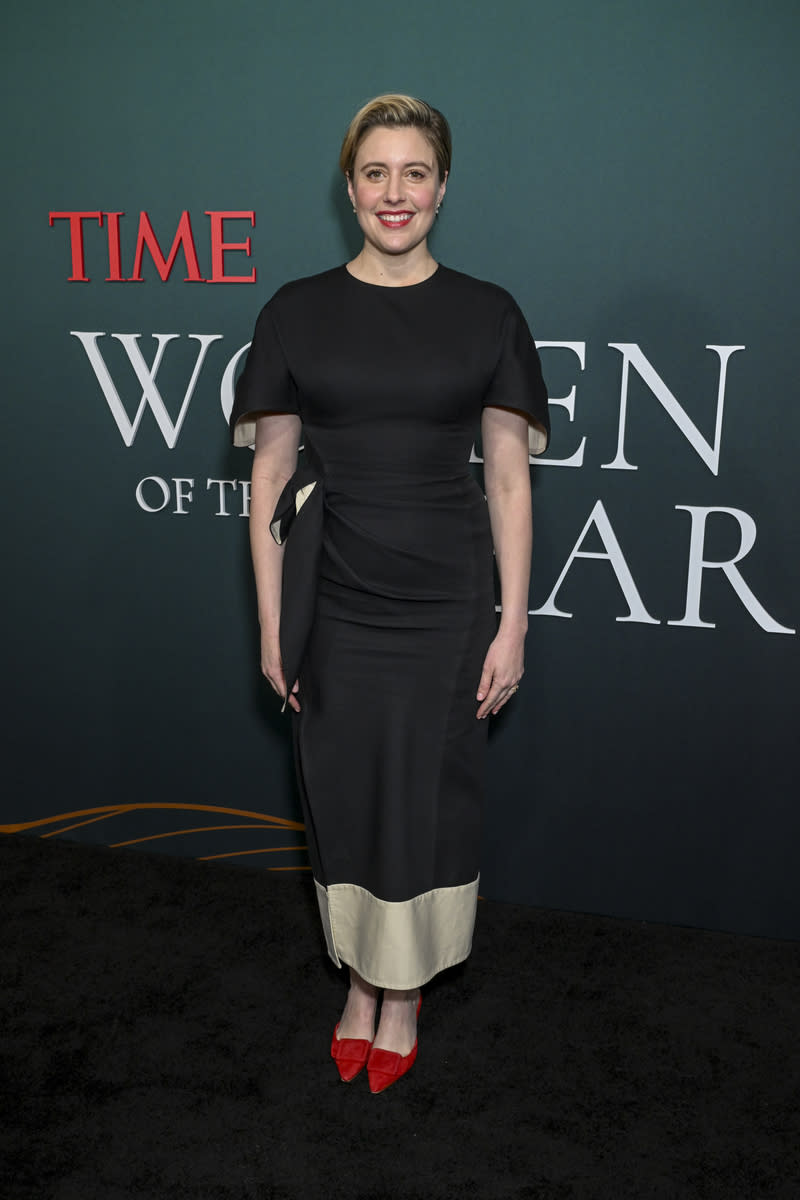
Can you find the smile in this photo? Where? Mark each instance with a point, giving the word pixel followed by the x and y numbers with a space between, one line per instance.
pixel 394 220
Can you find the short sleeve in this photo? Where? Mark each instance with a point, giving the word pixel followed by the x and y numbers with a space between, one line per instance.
pixel 517 382
pixel 265 385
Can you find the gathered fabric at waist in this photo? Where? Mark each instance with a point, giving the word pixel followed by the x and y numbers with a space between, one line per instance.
pixel 395 539
pixel 377 533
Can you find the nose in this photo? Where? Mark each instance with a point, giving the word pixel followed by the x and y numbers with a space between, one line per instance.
pixel 394 188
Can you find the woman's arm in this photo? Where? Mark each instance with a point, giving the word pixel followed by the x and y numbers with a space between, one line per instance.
pixel 507 482
pixel 277 440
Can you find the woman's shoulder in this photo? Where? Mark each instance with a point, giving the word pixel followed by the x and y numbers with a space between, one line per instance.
pixel 296 299
pixel 307 287
pixel 488 306
pixel 479 291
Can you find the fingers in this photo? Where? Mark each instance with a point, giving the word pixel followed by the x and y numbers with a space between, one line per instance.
pixel 275 678
pixel 486 682
pixel 496 693
pixel 504 698
pixel 497 698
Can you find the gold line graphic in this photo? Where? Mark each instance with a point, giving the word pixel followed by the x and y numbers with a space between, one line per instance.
pixel 266 850
pixel 265 819
pixel 89 816
pixel 154 837
pixel 80 824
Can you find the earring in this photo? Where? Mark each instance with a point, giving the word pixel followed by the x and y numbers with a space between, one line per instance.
pixel 355 212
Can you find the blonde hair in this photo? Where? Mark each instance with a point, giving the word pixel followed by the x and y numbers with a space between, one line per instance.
pixel 397 111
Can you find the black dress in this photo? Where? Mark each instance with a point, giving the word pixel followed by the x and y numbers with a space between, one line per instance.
pixel 388 601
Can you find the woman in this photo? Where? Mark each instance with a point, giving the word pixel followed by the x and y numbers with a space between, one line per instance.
pixel 373 565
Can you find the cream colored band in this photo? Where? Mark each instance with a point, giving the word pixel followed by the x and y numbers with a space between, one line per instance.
pixel 244 432
pixel 398 945
pixel 537 438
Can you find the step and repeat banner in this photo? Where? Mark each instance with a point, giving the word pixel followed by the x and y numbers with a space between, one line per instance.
pixel 630 173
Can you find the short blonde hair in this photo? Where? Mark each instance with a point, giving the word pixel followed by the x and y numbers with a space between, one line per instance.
pixel 397 111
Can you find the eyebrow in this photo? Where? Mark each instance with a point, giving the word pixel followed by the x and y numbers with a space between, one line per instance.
pixel 364 166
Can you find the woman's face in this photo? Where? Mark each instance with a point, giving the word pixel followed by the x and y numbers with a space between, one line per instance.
pixel 395 188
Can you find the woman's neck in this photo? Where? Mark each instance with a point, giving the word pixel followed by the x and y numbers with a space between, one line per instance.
pixel 402 270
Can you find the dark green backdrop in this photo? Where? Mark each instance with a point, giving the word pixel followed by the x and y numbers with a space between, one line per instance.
pixel 629 171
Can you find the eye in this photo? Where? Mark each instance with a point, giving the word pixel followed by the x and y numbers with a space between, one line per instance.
pixel 374 173
pixel 416 175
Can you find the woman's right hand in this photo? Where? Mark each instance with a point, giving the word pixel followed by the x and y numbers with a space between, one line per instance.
pixel 272 670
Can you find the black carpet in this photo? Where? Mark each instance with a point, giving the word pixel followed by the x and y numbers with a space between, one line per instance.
pixel 166 1027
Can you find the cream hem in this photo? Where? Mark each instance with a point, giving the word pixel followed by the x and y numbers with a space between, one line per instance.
pixel 398 944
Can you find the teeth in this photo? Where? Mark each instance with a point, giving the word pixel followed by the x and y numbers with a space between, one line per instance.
pixel 398 219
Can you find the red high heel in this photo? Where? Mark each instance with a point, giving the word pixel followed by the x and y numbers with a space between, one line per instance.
pixel 350 1055
pixel 385 1067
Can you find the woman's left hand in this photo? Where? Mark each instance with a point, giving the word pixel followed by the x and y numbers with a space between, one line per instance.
pixel 502 670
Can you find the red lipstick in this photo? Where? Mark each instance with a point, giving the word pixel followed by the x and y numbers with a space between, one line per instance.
pixel 392 219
